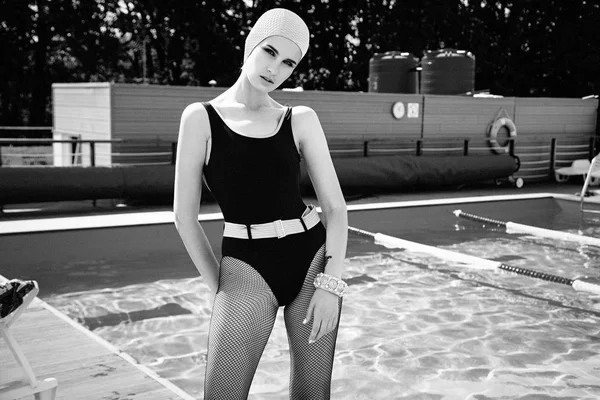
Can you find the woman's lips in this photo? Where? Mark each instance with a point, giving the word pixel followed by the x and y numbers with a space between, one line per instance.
pixel 266 79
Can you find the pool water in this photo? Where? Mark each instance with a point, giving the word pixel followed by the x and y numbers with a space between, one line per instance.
pixel 412 327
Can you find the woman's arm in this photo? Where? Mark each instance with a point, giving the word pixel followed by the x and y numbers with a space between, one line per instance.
pixel 324 306
pixel 314 150
pixel 194 134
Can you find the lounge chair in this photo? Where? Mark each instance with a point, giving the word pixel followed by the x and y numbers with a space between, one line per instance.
pixel 21 382
pixel 592 174
pixel 578 167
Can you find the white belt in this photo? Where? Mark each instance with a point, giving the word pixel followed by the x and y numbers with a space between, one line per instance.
pixel 278 229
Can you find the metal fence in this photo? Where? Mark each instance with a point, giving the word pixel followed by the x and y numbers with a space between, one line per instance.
pixel 539 156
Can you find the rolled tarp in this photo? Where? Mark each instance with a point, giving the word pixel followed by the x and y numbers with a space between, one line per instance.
pixel 155 183
pixel 397 173
pixel 47 184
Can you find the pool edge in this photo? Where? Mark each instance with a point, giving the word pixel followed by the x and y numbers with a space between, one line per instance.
pixel 166 217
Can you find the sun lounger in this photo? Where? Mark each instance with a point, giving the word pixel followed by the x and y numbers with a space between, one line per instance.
pixel 21 382
pixel 593 173
pixel 578 167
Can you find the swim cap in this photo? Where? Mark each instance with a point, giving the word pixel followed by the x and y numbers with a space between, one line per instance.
pixel 280 22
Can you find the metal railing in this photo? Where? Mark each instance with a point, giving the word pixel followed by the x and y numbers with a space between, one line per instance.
pixel 38 142
pixel 557 153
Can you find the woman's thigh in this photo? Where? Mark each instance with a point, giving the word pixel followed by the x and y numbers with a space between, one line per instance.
pixel 311 364
pixel 243 315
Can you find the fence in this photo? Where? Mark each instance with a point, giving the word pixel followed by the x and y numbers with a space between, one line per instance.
pixel 539 156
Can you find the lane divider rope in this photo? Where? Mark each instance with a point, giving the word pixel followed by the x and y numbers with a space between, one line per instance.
pixel 512 227
pixel 472 261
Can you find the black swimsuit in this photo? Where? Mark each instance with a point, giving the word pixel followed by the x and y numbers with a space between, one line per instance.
pixel 256 180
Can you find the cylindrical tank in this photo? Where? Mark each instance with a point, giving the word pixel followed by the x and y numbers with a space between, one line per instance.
pixel 447 71
pixel 393 72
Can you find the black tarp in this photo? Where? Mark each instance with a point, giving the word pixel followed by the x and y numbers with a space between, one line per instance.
pixel 156 183
pixel 398 173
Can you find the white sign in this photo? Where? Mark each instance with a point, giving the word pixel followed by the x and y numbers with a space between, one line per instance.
pixel 413 110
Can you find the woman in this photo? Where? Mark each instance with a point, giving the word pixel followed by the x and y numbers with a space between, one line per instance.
pixel 275 249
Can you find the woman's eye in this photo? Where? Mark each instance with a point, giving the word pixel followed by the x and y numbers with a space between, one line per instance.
pixel 271 52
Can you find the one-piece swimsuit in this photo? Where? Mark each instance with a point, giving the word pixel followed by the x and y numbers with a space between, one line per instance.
pixel 257 180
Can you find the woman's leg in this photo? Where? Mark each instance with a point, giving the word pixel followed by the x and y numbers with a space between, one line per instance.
pixel 243 315
pixel 311 364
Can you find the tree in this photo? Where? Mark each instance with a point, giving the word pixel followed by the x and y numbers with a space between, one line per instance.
pixel 524 48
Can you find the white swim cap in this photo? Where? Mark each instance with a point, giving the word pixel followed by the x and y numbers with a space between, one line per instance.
pixel 278 22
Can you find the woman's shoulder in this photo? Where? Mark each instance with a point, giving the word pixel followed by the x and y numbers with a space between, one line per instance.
pixel 304 117
pixel 195 119
pixel 194 110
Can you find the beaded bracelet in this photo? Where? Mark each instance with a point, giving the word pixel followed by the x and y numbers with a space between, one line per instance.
pixel 331 284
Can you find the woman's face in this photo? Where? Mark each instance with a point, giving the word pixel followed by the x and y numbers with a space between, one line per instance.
pixel 272 62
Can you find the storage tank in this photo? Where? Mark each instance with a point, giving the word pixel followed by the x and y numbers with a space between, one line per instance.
pixel 393 72
pixel 447 71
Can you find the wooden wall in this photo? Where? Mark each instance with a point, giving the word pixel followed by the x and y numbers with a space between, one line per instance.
pixel 539 120
pixel 456 118
pixel 149 114
pixel 152 111
pixel 550 116
pixel 350 119
pixel 145 111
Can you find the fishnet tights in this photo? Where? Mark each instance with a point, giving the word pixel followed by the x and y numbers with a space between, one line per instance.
pixel 242 320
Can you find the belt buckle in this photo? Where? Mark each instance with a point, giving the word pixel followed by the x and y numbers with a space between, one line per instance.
pixel 279 229
pixel 308 210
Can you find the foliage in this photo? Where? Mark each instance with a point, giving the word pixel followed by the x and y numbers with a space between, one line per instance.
pixel 522 48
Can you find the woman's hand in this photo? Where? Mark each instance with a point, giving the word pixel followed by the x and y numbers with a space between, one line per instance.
pixel 324 307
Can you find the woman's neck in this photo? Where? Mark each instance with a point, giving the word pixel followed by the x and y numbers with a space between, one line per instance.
pixel 244 93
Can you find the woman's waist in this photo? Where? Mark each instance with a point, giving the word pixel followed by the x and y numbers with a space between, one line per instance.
pixel 250 213
pixel 291 243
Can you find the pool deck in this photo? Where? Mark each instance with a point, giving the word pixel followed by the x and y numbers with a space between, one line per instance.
pixel 87 366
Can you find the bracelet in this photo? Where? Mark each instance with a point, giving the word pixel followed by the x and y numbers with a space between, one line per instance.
pixel 331 284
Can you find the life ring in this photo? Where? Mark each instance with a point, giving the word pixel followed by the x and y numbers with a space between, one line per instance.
pixel 495 128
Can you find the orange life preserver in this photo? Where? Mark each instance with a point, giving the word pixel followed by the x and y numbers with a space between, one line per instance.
pixel 495 128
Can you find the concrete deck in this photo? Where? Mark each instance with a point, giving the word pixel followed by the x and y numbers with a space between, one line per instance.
pixel 85 366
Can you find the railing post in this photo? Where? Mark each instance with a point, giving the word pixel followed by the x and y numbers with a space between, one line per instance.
pixel 0 155
pixel 552 157
pixel 73 150
pixel 366 148
pixel 173 152
pixel 93 153
pixel 511 147
pixel 466 147
pixel 419 147
pixel 591 149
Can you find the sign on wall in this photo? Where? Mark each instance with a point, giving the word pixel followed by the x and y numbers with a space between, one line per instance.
pixel 399 110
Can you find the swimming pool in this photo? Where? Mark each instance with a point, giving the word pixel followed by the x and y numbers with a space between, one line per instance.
pixel 413 326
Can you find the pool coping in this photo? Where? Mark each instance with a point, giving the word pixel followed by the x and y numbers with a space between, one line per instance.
pixel 129 218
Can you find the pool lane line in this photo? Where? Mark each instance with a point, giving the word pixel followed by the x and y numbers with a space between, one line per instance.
pixel 513 291
pixel 513 227
pixel 477 262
